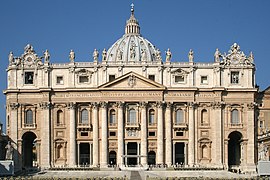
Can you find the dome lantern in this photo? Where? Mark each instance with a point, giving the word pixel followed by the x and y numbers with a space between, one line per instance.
pixel 132 25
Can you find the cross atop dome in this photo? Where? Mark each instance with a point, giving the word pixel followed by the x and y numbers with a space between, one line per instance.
pixel 132 26
pixel 132 8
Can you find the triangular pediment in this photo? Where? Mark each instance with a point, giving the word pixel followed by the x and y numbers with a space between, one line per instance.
pixel 132 81
pixel 267 90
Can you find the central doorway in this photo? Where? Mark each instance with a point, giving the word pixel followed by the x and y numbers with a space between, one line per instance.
pixel 132 149
pixel 84 154
pixel 179 153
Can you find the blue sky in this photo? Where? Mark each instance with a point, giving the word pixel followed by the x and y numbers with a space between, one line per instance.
pixel 83 25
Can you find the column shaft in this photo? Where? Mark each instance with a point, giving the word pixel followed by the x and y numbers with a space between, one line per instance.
pixel 143 135
pixel 160 145
pixel 95 135
pixel 72 135
pixel 120 130
pixel 104 135
pixel 13 135
pixel 168 136
pixel 191 136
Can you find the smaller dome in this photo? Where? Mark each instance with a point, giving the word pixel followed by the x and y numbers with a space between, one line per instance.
pixel 132 46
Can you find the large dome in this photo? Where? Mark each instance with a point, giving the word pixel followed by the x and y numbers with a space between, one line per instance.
pixel 132 46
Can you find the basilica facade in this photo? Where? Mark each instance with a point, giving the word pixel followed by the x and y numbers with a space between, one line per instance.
pixel 128 106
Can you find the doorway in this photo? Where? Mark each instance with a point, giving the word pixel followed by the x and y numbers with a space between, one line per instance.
pixel 84 154
pixel 132 149
pixel 29 153
pixel 179 153
pixel 234 148
pixel 112 158
pixel 151 158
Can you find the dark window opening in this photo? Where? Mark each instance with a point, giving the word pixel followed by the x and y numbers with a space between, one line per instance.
pixel 84 133
pixel 111 78
pixel 152 77
pixel 29 77
pixel 152 133
pixel 179 133
pixel 112 133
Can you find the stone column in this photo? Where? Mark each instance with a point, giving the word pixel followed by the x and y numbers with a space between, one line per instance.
pixel 95 135
pixel 120 125
pixel 168 120
pixel 218 134
pixel 251 138
pixel 143 134
pixel 13 135
pixel 104 135
pixel 160 144
pixel 191 135
pixel 72 135
pixel 226 143
pixel 45 135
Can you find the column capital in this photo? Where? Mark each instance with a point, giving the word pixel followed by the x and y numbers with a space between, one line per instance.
pixel 218 105
pixel 45 105
pixel 71 105
pixel 103 104
pixel 95 105
pixel 120 104
pixel 14 106
pixel 169 105
pixel 252 105
pixel 143 104
pixel 192 105
pixel 160 104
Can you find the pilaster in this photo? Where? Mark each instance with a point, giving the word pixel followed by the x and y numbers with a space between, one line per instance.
pixel 13 135
pixel 45 135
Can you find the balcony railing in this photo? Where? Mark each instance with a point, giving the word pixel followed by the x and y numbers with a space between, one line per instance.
pixel 235 125
pixel 29 125
pixel 180 126
pixel 132 125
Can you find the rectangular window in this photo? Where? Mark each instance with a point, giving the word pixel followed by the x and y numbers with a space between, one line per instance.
pixel 235 77
pixel 84 133
pixel 179 133
pixel 204 80
pixel 112 133
pixel 151 77
pixel 59 80
pixel 179 79
pixel 152 133
pixel 29 77
pixel 83 79
pixel 111 78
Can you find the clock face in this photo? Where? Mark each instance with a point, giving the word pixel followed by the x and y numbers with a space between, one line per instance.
pixel 29 59
pixel 235 59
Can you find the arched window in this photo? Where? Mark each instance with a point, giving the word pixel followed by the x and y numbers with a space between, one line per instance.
pixel 60 117
pixel 112 117
pixel 204 117
pixel 29 117
pixel 151 117
pixel 179 116
pixel 132 117
pixel 235 116
pixel 84 117
pixel 204 152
